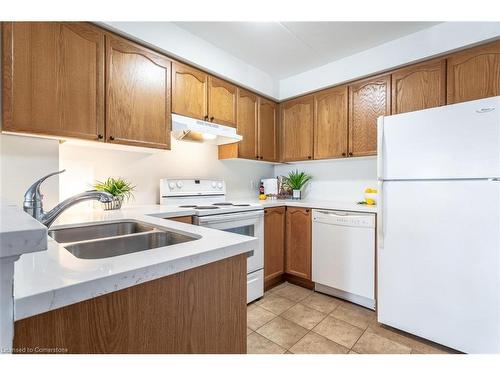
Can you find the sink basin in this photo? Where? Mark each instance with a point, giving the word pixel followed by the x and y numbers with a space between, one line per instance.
pixel 112 247
pixel 91 232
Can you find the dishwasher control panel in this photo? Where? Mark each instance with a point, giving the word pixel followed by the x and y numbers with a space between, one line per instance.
pixel 352 219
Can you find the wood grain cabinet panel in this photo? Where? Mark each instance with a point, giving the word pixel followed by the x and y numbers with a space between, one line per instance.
pixel 474 73
pixel 297 118
pixel 138 95
pixel 247 125
pixel 189 91
pixel 298 242
pixel 419 86
pixel 201 310
pixel 222 102
pixel 368 99
pixel 330 123
pixel 53 79
pixel 274 243
pixel 268 130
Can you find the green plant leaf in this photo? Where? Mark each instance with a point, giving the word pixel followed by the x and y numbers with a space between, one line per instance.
pixel 297 180
pixel 116 187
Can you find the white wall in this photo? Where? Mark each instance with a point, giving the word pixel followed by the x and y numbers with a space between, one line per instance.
pixel 24 160
pixel 85 164
pixel 421 45
pixel 337 180
pixel 185 46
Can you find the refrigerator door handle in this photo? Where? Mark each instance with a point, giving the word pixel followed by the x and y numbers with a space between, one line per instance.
pixel 380 140
pixel 380 216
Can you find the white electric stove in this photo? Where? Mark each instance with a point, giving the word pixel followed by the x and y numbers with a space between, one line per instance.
pixel 208 200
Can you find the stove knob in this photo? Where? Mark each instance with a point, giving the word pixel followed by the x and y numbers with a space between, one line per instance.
pixel 214 184
pixel 171 185
pixel 179 184
pixel 219 185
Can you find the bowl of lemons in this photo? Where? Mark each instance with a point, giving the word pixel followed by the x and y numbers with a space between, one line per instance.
pixel 370 197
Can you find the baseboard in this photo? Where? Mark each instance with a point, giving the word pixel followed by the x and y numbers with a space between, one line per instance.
pixel 273 281
pixel 300 281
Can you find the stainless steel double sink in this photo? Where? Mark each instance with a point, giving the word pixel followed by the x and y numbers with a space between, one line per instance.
pixel 97 241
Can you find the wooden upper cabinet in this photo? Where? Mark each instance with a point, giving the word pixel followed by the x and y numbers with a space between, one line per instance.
pixel 53 79
pixel 419 86
pixel 222 102
pixel 268 130
pixel 368 99
pixel 247 124
pixel 298 242
pixel 138 95
pixel 189 91
pixel 274 243
pixel 474 73
pixel 330 123
pixel 297 118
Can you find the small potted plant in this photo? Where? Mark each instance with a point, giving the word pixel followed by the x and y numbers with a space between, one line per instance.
pixel 119 188
pixel 296 181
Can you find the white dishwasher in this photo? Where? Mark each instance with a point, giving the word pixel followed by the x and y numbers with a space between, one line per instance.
pixel 343 255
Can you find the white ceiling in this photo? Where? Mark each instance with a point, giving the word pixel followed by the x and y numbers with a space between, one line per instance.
pixel 283 49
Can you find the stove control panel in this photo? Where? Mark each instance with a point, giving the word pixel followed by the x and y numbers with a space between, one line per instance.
pixel 174 187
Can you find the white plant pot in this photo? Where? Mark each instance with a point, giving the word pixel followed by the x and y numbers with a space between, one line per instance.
pixel 297 194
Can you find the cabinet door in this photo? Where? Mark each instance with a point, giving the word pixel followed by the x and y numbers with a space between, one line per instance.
pixel 189 91
pixel 274 242
pixel 222 102
pixel 268 128
pixel 330 123
pixel 419 86
pixel 53 79
pixel 138 95
pixel 297 117
pixel 247 124
pixel 298 242
pixel 474 73
pixel 368 99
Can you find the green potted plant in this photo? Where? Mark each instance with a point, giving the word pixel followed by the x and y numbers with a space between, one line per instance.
pixel 119 188
pixel 296 181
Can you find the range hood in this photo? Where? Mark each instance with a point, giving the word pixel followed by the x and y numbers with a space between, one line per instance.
pixel 191 129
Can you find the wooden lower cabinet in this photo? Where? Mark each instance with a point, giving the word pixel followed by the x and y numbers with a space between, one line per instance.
pixel 202 310
pixel 182 219
pixel 274 245
pixel 298 242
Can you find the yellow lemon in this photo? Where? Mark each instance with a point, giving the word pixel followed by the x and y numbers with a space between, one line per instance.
pixel 370 201
pixel 262 197
pixel 368 190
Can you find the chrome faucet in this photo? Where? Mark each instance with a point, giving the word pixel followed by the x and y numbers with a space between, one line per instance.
pixel 33 201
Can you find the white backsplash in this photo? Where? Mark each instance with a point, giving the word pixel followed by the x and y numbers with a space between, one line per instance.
pixel 337 180
pixel 145 167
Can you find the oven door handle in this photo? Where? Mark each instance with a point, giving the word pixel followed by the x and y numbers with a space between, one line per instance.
pixel 230 217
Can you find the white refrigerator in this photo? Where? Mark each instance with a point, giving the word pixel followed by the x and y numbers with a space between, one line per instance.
pixel 438 255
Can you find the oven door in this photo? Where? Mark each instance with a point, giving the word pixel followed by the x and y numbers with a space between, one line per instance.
pixel 249 223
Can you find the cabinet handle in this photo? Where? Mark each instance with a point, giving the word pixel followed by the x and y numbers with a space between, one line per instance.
pixel 111 138
pixel 100 136
pixel 265 211
pixel 212 118
pixel 205 118
pixel 350 153
pixel 343 154
pixel 307 209
pixel 309 157
pixel 261 158
pixel 257 157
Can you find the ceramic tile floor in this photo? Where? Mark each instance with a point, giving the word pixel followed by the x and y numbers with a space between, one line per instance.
pixel 290 319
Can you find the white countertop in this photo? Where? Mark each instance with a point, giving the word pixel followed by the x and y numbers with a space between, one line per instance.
pixel 55 278
pixel 327 205
pixel 19 232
